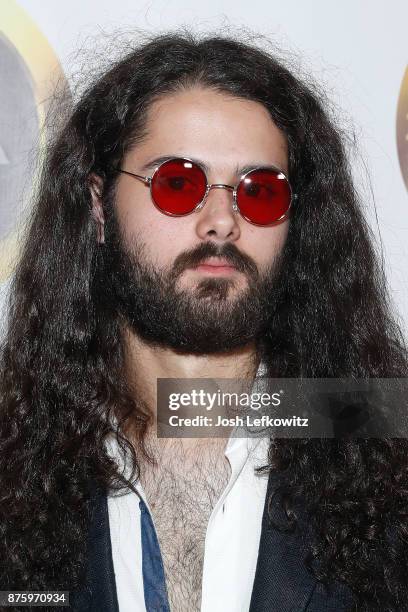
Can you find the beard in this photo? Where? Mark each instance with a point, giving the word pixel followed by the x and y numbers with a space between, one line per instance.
pixel 210 316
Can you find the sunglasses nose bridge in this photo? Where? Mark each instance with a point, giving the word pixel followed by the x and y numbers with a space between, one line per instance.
pixel 220 186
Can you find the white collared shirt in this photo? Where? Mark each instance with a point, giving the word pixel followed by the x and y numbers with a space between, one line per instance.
pixel 232 535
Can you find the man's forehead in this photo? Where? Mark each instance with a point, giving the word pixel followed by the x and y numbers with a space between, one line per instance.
pixel 219 132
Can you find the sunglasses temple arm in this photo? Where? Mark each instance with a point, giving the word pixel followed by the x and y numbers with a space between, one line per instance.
pixel 146 179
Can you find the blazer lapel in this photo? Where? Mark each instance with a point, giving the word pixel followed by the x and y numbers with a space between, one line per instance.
pixel 99 593
pixel 282 582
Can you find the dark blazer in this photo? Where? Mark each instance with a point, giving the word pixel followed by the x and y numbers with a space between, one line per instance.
pixel 282 583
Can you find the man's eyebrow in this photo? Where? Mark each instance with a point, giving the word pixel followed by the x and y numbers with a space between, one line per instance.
pixel 239 170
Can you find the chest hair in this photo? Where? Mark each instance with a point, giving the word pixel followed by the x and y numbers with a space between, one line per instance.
pixel 182 488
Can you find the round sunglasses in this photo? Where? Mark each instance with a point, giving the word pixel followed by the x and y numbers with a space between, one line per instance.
pixel 179 186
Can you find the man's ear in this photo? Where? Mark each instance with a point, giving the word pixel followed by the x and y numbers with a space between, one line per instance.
pixel 96 187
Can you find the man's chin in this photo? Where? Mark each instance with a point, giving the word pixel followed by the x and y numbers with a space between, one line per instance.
pixel 216 289
pixel 201 326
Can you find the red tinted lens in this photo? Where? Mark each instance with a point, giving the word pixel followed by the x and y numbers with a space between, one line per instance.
pixel 263 196
pixel 178 185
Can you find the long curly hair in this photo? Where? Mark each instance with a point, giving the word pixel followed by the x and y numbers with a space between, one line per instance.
pixel 62 377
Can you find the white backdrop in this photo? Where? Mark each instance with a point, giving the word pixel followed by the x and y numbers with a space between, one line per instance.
pixel 358 49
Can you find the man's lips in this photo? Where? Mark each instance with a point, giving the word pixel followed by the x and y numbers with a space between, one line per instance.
pixel 215 265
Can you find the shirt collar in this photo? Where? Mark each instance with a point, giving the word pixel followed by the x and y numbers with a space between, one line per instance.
pixel 239 446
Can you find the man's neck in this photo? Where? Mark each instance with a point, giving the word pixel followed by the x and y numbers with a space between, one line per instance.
pixel 146 363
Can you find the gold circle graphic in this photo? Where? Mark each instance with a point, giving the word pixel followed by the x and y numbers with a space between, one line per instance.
pixel 402 128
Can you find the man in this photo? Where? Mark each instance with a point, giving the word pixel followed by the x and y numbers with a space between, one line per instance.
pixel 195 218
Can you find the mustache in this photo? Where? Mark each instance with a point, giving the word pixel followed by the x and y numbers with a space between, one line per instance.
pixel 229 252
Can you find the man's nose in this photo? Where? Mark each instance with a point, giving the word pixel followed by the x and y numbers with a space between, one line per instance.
pixel 217 219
